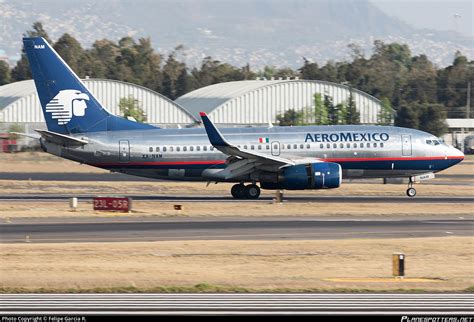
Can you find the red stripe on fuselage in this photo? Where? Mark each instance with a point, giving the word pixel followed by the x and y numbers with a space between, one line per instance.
pixel 392 159
pixel 215 162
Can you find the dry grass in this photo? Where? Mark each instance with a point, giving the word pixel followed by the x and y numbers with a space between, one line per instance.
pixel 12 210
pixel 257 265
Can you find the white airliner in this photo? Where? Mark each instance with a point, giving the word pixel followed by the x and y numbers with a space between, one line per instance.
pixel 296 158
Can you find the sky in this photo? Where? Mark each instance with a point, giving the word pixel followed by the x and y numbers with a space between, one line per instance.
pixel 455 15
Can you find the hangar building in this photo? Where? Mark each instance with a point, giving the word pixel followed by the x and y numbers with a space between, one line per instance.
pixel 19 103
pixel 260 101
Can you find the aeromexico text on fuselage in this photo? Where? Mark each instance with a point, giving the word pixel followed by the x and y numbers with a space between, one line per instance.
pixel 347 137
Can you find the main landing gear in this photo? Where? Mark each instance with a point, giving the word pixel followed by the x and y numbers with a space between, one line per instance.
pixel 240 191
pixel 411 192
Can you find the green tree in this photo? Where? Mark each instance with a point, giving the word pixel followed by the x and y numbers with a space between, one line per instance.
pixel 407 116
pixel 420 84
pixel 5 77
pixel 453 80
pixel 71 51
pixel 329 72
pixel 213 71
pixel 320 110
pixel 130 107
pixel 333 113
pixel 341 110
pixel 309 70
pixel 290 117
pixel 385 71
pixel 352 115
pixel 385 115
pixel 432 119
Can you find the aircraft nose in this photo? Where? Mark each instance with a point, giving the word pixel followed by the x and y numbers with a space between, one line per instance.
pixel 457 154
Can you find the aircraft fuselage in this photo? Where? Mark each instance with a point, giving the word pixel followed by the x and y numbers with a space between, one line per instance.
pixel 186 154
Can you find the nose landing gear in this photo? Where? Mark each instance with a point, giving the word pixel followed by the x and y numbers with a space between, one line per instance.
pixel 240 191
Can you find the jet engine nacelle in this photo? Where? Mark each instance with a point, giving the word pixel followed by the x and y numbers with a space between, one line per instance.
pixel 321 175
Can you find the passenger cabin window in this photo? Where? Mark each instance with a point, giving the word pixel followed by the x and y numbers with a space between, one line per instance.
pixel 368 145
pixel 171 149
pixel 157 149
pixel 150 149
pixel 191 148
pixel 198 148
pixel 259 147
pixel 289 146
pixel 328 145
pixel 164 149
pixel 341 145
pixel 381 144
pixel 334 145
pixel 361 144
pixel 308 146
pixel 268 147
pixel 178 149
pixel 321 146
pixel 185 148
pixel 355 145
pixel 348 145
pixel 375 144
pixel 212 148
pixel 245 147
pixel 204 148
pixel 301 146
pixel 252 147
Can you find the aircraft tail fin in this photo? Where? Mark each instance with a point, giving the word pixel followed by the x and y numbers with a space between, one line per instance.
pixel 68 106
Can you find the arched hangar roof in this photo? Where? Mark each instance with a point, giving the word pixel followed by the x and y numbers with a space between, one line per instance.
pixel 19 102
pixel 260 101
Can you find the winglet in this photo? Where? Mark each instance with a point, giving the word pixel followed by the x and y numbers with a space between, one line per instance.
pixel 214 135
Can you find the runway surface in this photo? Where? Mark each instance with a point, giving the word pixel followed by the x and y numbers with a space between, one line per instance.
pixel 264 198
pixel 237 304
pixel 111 230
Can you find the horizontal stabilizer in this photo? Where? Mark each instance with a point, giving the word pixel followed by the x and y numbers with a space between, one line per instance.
pixel 28 135
pixel 61 139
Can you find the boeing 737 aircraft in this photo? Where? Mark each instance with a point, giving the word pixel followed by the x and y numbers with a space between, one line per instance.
pixel 296 158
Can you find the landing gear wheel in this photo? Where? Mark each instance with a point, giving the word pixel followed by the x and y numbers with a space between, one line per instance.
pixel 252 191
pixel 411 192
pixel 238 191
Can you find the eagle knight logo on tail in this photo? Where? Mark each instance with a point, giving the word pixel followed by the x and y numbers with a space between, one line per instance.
pixel 66 104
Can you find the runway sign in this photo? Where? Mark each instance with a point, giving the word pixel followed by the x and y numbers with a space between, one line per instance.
pixel 112 204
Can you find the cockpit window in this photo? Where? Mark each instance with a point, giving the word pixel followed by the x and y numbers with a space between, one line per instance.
pixel 434 142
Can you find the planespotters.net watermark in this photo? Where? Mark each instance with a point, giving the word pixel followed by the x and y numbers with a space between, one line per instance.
pixel 436 319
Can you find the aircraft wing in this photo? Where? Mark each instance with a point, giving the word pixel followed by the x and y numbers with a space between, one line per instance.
pixel 61 139
pixel 242 161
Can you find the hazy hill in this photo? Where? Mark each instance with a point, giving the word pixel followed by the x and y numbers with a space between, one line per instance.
pixel 277 32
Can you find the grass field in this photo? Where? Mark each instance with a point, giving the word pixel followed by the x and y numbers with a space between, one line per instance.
pixel 12 210
pixel 432 264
